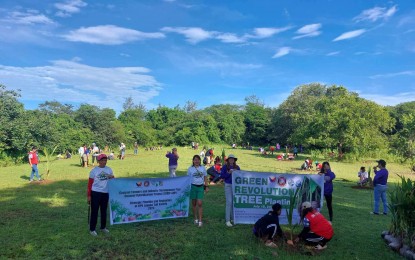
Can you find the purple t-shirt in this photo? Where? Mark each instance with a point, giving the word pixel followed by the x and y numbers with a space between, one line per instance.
pixel 224 174
pixel 172 159
pixel 381 177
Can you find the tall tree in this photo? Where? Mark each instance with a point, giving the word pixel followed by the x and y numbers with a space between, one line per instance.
pixel 256 119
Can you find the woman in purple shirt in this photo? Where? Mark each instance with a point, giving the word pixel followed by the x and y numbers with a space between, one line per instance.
pixel 173 157
pixel 226 174
pixel 328 186
pixel 380 186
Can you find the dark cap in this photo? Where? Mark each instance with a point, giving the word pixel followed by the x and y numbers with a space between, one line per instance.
pixel 276 207
pixel 382 162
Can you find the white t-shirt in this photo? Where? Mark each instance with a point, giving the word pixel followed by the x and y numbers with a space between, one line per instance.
pixel 101 177
pixel 81 150
pixel 198 174
pixel 363 175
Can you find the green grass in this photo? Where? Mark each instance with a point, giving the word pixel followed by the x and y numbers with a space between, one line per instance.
pixel 49 220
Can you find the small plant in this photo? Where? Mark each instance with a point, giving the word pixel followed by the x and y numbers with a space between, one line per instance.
pixel 290 211
pixel 50 158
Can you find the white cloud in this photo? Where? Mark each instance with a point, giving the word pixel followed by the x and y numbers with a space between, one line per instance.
pixel 282 52
pixel 192 34
pixel 390 100
pixel 395 74
pixel 310 30
pixel 349 35
pixel 230 38
pixel 266 32
pixel 109 35
pixel 375 14
pixel 334 53
pixel 69 7
pixel 69 81
pixel 31 17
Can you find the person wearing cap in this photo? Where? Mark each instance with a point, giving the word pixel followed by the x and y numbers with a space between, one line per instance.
pixel 226 175
pixel 317 230
pixel 34 161
pixel 97 193
pixel 173 157
pixel 329 176
pixel 380 182
pixel 268 226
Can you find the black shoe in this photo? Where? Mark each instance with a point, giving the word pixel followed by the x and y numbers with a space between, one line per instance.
pixel 374 213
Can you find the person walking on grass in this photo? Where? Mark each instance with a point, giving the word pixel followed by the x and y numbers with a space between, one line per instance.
pixel 329 176
pixel 34 161
pixel 173 157
pixel 200 184
pixel 317 230
pixel 97 194
pixel 269 225
pixel 226 174
pixel 380 185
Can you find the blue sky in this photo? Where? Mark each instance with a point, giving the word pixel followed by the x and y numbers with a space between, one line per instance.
pixel 210 52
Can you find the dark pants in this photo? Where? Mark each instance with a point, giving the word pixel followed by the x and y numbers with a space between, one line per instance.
pixel 313 239
pixel 269 232
pixel 99 200
pixel 329 200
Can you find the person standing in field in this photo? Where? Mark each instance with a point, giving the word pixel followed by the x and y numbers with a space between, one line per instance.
pixel 200 184
pixel 34 161
pixel 122 151
pixel 135 148
pixel 95 153
pixel 380 184
pixel 226 174
pixel 329 176
pixel 97 193
pixel 173 157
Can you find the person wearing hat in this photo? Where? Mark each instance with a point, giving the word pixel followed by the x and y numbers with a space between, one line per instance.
pixel 317 230
pixel 97 193
pixel 226 175
pixel 268 226
pixel 380 186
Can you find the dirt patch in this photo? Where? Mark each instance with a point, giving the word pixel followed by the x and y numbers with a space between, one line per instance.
pixel 367 187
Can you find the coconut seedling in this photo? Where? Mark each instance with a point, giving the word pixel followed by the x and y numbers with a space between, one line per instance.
pixel 50 158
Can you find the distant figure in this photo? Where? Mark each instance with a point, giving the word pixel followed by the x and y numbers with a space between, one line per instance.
pixel 278 146
pixel 34 161
pixel 135 148
pixel 122 151
pixel 94 152
pixel 111 156
pixel 233 146
pixel 173 157
pixel 295 151
pixel 363 176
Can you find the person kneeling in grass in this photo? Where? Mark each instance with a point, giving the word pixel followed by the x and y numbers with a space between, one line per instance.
pixel 199 185
pixel 317 229
pixel 268 226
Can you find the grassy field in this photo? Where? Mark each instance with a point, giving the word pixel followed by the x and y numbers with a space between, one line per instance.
pixel 48 220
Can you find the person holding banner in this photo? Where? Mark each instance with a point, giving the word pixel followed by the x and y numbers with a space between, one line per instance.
pixel 317 229
pixel 226 174
pixel 268 226
pixel 97 193
pixel 199 184
pixel 329 176
pixel 173 157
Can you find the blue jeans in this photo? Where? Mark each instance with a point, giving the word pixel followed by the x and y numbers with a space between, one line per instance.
pixel 34 170
pixel 135 151
pixel 380 193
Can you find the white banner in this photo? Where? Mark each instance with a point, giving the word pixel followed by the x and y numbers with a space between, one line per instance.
pixel 254 193
pixel 134 200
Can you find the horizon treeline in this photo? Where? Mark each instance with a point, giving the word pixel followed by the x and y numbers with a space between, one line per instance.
pixel 319 117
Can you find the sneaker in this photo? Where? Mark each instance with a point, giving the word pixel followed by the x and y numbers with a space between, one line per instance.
pixel 320 247
pixel 229 224
pixel 374 213
pixel 200 224
pixel 271 244
pixel 104 230
pixel 196 221
pixel 93 233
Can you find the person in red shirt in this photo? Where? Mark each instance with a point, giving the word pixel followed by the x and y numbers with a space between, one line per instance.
pixel 317 229
pixel 34 161
pixel 214 171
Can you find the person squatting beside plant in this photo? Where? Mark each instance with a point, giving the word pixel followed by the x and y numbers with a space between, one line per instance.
pixel 380 186
pixel 199 185
pixel 226 174
pixel 317 229
pixel 268 226
pixel 173 157
pixel 97 193
pixel 329 176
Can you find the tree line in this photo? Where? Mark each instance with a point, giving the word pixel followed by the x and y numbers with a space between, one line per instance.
pixel 314 115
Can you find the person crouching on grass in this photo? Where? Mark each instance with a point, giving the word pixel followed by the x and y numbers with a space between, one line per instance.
pixel 317 229
pixel 199 186
pixel 268 226
pixel 97 193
